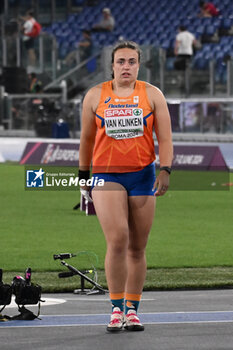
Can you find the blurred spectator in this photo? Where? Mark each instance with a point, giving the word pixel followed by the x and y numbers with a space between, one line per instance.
pixel 213 117
pixel 106 24
pixel 35 84
pixel 31 29
pixel 84 50
pixel 208 9
pixel 85 45
pixel 183 48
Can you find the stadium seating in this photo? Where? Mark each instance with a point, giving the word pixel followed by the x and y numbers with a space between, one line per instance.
pixel 152 22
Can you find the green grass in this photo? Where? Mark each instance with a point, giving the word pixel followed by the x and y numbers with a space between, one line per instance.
pixel 157 279
pixel 191 229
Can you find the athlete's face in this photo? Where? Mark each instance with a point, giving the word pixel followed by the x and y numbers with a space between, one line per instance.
pixel 125 65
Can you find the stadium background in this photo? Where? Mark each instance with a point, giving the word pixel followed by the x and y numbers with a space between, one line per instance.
pixel 193 247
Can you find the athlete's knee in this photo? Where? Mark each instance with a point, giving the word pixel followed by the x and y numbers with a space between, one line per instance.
pixel 136 252
pixel 118 240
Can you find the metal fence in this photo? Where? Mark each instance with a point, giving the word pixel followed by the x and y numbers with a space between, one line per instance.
pixel 211 112
pixel 14 54
pixel 195 82
pixel 40 113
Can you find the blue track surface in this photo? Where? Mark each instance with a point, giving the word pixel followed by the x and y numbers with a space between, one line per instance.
pixel 102 319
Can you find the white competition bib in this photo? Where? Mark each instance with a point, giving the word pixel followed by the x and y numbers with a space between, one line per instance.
pixel 123 123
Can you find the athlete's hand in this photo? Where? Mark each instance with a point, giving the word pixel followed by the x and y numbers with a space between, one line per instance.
pixel 162 183
pixel 86 195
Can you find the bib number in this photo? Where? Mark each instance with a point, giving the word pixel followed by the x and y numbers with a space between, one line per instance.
pixel 124 123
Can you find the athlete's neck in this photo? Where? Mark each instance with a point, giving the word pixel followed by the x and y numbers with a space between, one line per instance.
pixel 123 89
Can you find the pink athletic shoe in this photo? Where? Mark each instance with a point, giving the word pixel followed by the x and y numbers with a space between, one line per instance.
pixel 116 321
pixel 132 322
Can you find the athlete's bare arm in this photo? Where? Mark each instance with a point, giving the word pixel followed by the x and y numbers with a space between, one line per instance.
pixel 88 133
pixel 162 125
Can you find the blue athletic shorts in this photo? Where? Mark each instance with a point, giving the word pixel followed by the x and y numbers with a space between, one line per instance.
pixel 137 183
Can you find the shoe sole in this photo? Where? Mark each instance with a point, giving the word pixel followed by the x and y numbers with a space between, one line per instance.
pixel 114 329
pixel 134 328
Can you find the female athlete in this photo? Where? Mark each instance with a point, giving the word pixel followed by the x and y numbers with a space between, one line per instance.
pixel 118 120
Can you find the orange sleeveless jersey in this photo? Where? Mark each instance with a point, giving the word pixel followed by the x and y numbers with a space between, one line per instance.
pixel 124 140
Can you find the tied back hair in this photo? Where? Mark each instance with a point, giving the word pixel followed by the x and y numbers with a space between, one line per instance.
pixel 126 45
